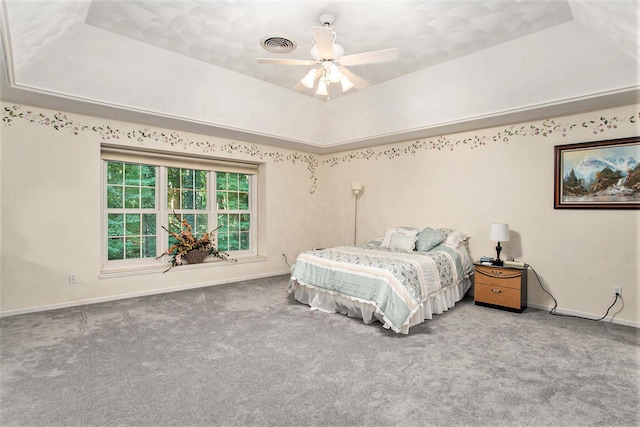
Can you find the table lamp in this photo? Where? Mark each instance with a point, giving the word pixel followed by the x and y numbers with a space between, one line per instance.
pixel 499 233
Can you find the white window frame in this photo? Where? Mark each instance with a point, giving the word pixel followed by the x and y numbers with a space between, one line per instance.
pixel 250 211
pixel 162 161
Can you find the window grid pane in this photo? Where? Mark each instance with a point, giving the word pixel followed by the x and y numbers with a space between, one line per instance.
pixel 115 173
pixel 115 248
pixel 130 186
pixel 149 246
pixel 132 174
pixel 244 241
pixel 187 189
pixel 131 235
pixel 115 198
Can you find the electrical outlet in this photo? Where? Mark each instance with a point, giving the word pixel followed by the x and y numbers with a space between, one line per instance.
pixel 618 290
pixel 73 278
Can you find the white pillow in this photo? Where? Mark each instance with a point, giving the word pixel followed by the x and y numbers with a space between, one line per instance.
pixel 402 242
pixel 454 239
pixel 408 230
pixel 387 237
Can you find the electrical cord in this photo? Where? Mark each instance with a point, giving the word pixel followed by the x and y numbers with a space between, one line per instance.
pixel 284 258
pixel 555 303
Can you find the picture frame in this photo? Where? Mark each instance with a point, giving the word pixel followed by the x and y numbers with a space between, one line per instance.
pixel 598 175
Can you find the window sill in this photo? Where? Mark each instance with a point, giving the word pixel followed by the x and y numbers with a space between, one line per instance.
pixel 107 273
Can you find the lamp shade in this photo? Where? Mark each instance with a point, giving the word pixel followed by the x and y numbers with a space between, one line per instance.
pixel 334 73
pixel 499 232
pixel 322 88
pixel 310 78
pixel 345 83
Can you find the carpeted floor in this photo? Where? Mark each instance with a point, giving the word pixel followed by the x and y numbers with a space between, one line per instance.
pixel 243 354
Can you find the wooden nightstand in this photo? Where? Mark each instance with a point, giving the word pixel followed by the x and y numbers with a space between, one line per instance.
pixel 504 288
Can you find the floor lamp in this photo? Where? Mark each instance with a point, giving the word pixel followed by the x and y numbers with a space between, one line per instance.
pixel 357 188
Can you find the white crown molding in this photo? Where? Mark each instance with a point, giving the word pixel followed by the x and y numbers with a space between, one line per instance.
pixel 36 97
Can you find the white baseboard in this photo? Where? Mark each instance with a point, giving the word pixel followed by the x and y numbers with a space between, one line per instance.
pixel 610 319
pixel 88 301
pixel 135 294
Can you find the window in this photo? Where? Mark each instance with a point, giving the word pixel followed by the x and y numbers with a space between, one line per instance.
pixel 131 217
pixel 234 216
pixel 146 192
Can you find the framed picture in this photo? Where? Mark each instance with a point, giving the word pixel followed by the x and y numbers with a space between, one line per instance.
pixel 598 175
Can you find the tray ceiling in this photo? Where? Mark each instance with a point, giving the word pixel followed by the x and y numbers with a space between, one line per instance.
pixel 225 36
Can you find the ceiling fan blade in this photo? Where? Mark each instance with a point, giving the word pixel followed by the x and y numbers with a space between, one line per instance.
pixel 278 61
pixel 373 57
pixel 358 82
pixel 303 89
pixel 323 39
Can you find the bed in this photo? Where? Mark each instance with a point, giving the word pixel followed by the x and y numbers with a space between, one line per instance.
pixel 401 279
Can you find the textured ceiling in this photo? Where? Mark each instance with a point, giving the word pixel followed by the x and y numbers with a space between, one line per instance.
pixel 227 34
pixel 62 53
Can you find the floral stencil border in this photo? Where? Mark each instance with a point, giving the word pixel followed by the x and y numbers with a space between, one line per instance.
pixel 544 129
pixel 60 121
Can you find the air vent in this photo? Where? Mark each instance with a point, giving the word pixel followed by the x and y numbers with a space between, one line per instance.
pixel 278 44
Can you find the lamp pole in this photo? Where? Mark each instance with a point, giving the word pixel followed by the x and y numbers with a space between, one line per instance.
pixel 355 220
pixel 357 188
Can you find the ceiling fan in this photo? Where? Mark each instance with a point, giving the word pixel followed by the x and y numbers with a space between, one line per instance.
pixel 329 62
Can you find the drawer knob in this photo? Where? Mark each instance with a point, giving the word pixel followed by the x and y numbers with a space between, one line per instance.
pixel 496 291
pixel 496 271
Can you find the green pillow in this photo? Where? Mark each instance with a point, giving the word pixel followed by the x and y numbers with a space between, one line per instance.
pixel 428 239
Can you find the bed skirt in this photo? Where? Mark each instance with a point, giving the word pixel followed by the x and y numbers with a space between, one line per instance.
pixel 331 302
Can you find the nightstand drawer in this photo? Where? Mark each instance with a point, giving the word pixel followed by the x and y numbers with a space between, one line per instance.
pixel 502 277
pixel 497 295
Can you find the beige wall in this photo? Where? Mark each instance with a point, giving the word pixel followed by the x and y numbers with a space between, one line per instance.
pixel 50 217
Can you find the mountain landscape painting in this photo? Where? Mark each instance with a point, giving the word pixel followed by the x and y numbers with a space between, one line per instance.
pixel 605 173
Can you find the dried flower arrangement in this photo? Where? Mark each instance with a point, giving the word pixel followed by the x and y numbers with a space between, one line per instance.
pixel 191 249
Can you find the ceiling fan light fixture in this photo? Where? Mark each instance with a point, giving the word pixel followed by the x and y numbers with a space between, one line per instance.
pixel 322 88
pixel 345 83
pixel 309 79
pixel 334 73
